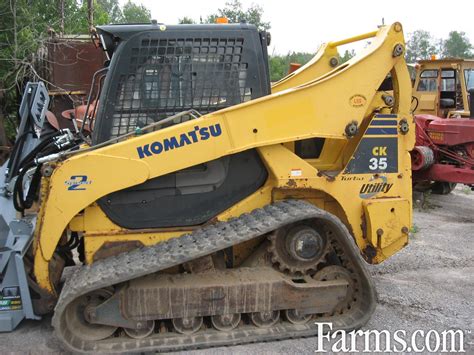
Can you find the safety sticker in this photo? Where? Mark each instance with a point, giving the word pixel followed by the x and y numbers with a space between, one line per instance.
pixel 296 172
pixel 10 299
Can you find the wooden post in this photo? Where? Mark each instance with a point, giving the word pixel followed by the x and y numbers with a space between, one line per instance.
pixel 4 144
pixel 61 18
pixel 90 13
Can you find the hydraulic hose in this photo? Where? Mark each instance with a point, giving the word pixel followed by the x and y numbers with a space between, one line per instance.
pixel 18 197
pixel 45 146
pixel 18 144
pixel 48 139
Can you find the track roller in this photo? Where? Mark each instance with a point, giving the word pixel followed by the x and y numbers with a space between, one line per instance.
pixel 265 319
pixel 296 317
pixel 226 322
pixel 144 330
pixel 188 325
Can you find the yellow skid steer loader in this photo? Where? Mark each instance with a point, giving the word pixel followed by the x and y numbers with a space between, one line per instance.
pixel 203 209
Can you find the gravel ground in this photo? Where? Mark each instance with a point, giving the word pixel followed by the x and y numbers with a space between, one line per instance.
pixel 428 285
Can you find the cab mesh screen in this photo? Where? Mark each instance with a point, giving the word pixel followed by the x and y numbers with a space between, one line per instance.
pixel 167 76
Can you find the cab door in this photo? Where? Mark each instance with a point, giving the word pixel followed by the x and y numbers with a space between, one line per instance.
pixel 426 92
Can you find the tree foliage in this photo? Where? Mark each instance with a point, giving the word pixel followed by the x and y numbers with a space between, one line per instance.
pixel 27 25
pixel 279 64
pixel 111 8
pixel 347 55
pixel 133 13
pixel 457 45
pixel 186 20
pixel 235 13
pixel 420 45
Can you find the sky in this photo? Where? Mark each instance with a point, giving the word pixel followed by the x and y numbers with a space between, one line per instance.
pixel 302 25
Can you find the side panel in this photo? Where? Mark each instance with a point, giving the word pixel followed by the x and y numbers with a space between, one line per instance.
pixel 190 197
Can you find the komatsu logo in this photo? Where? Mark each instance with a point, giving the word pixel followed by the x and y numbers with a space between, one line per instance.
pixel 194 136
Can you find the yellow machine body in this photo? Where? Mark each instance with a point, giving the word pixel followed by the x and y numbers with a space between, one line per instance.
pixel 363 138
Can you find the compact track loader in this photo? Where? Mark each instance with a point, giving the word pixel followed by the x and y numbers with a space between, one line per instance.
pixel 202 209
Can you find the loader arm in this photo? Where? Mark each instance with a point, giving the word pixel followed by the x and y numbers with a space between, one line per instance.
pixel 325 60
pixel 322 107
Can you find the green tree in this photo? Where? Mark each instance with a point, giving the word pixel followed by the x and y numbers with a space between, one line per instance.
pixel 457 46
pixel 235 13
pixel 420 45
pixel 112 9
pixel 346 56
pixel 279 64
pixel 133 13
pixel 186 20
pixel 27 26
pixel 24 27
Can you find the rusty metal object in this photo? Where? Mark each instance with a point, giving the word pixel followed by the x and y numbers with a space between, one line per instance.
pixel 369 253
pixel 215 293
pixel 68 65
pixel 71 63
pixel 109 249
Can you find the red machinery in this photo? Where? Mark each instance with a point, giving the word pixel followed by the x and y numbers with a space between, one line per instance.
pixel 444 152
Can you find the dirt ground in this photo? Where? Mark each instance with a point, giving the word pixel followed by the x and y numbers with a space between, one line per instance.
pixel 428 285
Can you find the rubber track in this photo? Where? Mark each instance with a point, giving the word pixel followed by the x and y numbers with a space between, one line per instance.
pixel 207 240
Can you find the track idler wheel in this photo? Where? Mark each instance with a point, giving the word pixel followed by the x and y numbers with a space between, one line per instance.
pixel 265 319
pixel 297 317
pixel 187 325
pixel 335 272
pixel 142 331
pixel 226 322
pixel 78 318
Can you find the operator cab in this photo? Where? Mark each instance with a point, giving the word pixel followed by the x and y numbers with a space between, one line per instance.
pixel 442 87
pixel 159 71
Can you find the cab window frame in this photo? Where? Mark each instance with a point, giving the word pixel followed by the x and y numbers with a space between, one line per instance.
pixel 448 80
pixel 469 78
pixel 428 81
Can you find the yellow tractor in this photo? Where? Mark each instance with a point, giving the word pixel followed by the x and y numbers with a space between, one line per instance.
pixel 443 87
pixel 206 208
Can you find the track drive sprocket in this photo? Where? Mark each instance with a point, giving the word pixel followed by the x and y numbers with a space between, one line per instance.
pixel 299 249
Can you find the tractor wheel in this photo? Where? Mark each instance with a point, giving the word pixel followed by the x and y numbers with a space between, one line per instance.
pixel 442 188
